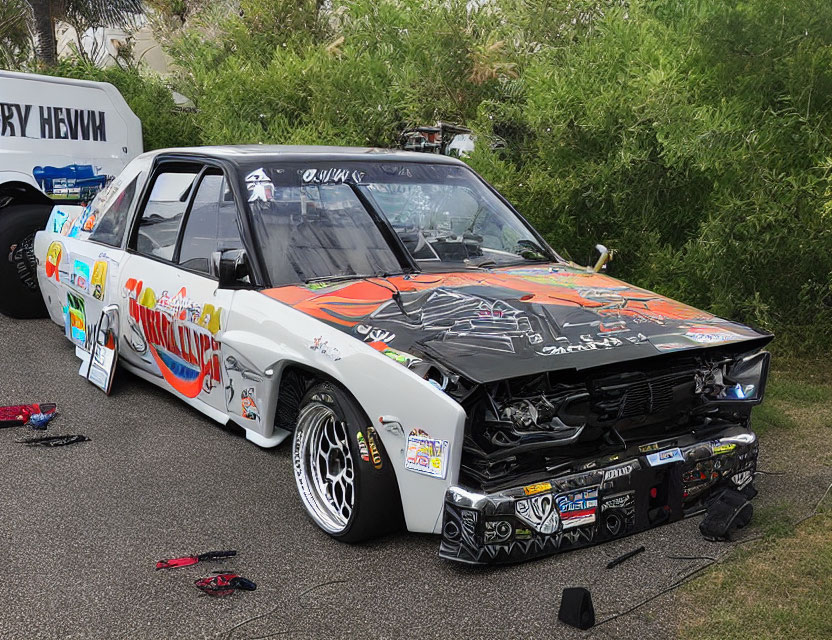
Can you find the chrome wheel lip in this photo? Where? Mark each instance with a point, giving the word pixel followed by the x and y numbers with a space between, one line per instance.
pixel 324 467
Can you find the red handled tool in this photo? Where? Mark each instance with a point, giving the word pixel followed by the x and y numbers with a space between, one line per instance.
pixel 186 561
pixel 224 584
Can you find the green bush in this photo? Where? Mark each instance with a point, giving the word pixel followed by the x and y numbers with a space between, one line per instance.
pixel 692 137
pixel 163 124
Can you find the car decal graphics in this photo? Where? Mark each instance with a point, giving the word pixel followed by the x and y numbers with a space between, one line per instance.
pixel 180 337
pixel 577 509
pixel 248 407
pixel 99 279
pixel 53 260
pixel 426 455
pixel 76 319
pixel 80 277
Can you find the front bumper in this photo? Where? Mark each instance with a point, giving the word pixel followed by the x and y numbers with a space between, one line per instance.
pixel 608 498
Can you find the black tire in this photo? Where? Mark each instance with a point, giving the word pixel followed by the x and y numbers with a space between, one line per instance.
pixel 19 292
pixel 376 503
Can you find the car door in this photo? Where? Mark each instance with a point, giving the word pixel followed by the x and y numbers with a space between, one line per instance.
pixel 173 311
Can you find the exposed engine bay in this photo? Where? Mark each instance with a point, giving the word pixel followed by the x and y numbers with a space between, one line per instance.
pixel 535 426
pixel 565 459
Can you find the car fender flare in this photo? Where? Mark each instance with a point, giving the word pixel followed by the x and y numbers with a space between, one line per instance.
pixel 382 387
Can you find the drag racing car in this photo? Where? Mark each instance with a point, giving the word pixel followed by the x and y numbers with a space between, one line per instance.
pixel 432 361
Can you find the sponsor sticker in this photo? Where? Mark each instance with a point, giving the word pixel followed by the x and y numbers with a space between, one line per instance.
pixel 742 478
pixel 539 512
pixel 711 338
pixel 260 187
pixel 59 219
pixel 81 275
pixel 76 319
pixel 578 508
pixel 427 455
pixel 665 457
pixel 363 450
pixel 53 260
pixel 248 407
pixel 522 534
pixel 647 448
pixel 539 487
pixel 617 502
pixel 617 472
pixel 323 347
pixel 722 447
pixel 375 455
pixel 99 279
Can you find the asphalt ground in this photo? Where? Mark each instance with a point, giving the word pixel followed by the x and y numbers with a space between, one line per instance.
pixel 82 526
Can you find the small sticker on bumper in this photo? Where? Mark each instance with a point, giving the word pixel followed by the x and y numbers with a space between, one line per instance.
pixel 665 457
pixel 578 508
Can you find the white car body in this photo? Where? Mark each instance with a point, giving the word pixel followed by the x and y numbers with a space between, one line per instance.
pixel 264 336
pixel 499 384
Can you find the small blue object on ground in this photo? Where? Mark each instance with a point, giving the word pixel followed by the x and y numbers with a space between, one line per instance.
pixel 41 420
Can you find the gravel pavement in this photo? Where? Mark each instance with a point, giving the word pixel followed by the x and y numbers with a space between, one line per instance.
pixel 82 526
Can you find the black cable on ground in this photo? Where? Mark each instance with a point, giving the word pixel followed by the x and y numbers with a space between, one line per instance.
pixel 689 576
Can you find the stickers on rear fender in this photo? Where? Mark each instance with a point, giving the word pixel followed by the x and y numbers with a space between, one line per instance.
pixel 426 455
pixel 98 281
pixel 665 457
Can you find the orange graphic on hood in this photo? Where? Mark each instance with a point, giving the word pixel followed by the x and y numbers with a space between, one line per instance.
pixel 348 304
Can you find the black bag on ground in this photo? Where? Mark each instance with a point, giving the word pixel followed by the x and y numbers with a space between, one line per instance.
pixel 729 511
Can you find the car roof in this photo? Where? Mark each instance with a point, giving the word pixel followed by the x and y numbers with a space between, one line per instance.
pixel 257 153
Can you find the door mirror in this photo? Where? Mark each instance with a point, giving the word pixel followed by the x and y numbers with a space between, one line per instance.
pixel 605 255
pixel 230 267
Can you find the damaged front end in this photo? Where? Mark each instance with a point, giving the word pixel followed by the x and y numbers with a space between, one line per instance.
pixel 565 459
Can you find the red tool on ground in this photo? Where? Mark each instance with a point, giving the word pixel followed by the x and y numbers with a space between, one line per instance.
pixel 19 414
pixel 186 561
pixel 224 584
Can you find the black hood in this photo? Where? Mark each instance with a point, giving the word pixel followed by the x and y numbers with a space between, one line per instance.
pixel 502 324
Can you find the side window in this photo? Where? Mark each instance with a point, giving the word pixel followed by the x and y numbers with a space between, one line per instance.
pixel 112 222
pixel 211 225
pixel 159 223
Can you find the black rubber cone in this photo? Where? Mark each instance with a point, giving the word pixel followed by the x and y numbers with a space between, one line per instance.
pixel 576 608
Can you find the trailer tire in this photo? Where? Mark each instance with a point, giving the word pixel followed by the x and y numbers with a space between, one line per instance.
pixel 19 292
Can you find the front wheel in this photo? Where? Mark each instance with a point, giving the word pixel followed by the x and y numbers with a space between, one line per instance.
pixel 344 477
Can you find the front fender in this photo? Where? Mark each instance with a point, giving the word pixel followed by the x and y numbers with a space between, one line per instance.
pixel 269 334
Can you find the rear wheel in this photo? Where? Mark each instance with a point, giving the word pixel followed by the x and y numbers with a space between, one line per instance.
pixel 19 292
pixel 344 478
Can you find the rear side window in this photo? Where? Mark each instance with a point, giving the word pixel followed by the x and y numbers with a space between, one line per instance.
pixel 211 225
pixel 112 222
pixel 163 213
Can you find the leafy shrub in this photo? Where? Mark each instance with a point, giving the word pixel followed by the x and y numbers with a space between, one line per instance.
pixel 163 124
pixel 690 137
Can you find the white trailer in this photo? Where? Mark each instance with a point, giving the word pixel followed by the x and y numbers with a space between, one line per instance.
pixel 61 140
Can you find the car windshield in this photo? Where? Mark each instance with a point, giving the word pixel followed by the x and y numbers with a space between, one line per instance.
pixel 321 221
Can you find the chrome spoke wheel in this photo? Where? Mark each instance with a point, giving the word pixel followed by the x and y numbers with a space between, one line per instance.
pixel 324 468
